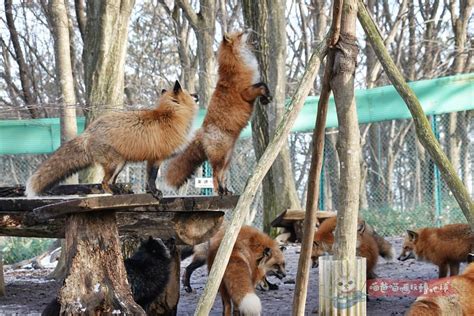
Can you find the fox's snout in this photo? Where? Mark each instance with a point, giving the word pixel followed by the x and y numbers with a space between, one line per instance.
pixel 280 274
pixel 195 97
pixel 404 257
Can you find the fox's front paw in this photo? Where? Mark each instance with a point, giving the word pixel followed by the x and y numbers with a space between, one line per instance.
pixel 157 194
pixel 265 99
pixel 224 191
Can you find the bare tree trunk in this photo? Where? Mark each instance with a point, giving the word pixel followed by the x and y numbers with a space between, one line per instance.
pixel 203 24
pixel 104 53
pixel 348 147
pixel 267 19
pixel 459 22
pixel 27 90
pixel 58 18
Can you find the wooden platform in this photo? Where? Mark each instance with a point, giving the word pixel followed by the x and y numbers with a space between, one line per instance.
pixel 190 219
pixel 292 221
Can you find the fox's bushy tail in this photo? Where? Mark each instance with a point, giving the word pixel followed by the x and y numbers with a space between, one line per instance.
pixel 68 159
pixel 185 163
pixel 386 250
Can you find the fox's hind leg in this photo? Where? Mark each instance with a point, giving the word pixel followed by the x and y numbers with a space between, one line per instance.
pixel 152 171
pixel 453 268
pixel 443 270
pixel 112 169
pixel 226 301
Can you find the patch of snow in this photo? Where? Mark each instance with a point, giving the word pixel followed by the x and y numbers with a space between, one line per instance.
pixel 97 288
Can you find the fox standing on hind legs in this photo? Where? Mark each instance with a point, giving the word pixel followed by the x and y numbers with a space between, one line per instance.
pixel 118 137
pixel 229 111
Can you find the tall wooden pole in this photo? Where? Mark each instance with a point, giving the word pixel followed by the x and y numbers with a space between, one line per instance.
pixel 302 276
pixel 422 125
pixel 243 205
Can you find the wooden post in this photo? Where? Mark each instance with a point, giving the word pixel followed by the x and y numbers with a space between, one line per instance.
pixel 422 125
pixel 243 205
pixel 302 276
pixel 96 280
pixel 2 279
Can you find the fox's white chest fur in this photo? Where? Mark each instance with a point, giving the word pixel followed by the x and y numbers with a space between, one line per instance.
pixel 250 61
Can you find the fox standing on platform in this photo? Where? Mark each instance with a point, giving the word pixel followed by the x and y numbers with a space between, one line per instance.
pixel 229 111
pixel 118 137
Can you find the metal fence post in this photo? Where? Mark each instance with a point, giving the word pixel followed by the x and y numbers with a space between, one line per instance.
pixel 437 178
pixel 206 172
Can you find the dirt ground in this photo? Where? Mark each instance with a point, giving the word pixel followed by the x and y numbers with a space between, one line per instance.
pixel 28 291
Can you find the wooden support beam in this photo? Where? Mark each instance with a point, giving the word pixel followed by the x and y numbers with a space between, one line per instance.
pixel 304 262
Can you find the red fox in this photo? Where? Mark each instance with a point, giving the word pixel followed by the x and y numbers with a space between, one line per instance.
pixel 369 244
pixel 458 301
pixel 254 255
pixel 115 138
pixel 446 246
pixel 200 253
pixel 229 111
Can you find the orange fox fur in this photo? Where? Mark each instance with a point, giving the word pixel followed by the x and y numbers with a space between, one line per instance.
pixel 229 111
pixel 254 255
pixel 369 244
pixel 458 301
pixel 118 137
pixel 446 246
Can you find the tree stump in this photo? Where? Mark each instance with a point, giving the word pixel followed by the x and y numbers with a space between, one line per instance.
pixel 96 281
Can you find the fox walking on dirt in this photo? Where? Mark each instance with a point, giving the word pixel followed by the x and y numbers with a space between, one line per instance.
pixel 115 138
pixel 369 244
pixel 254 255
pixel 446 246
pixel 229 111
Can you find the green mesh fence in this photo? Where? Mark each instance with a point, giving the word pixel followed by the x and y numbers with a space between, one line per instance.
pixel 403 188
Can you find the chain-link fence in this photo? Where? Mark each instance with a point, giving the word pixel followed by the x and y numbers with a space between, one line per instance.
pixel 402 188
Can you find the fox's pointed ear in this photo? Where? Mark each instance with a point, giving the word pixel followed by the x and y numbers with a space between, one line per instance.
pixel 163 91
pixel 412 235
pixel 361 227
pixel 177 87
pixel 227 38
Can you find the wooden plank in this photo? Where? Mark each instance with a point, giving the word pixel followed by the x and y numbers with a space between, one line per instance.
pixel 187 227
pixel 190 220
pixel 133 203
pixel 68 189
pixel 289 216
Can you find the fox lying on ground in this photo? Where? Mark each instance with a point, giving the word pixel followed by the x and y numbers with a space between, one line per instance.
pixel 458 299
pixel 118 137
pixel 229 111
pixel 254 255
pixel 369 244
pixel 446 246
